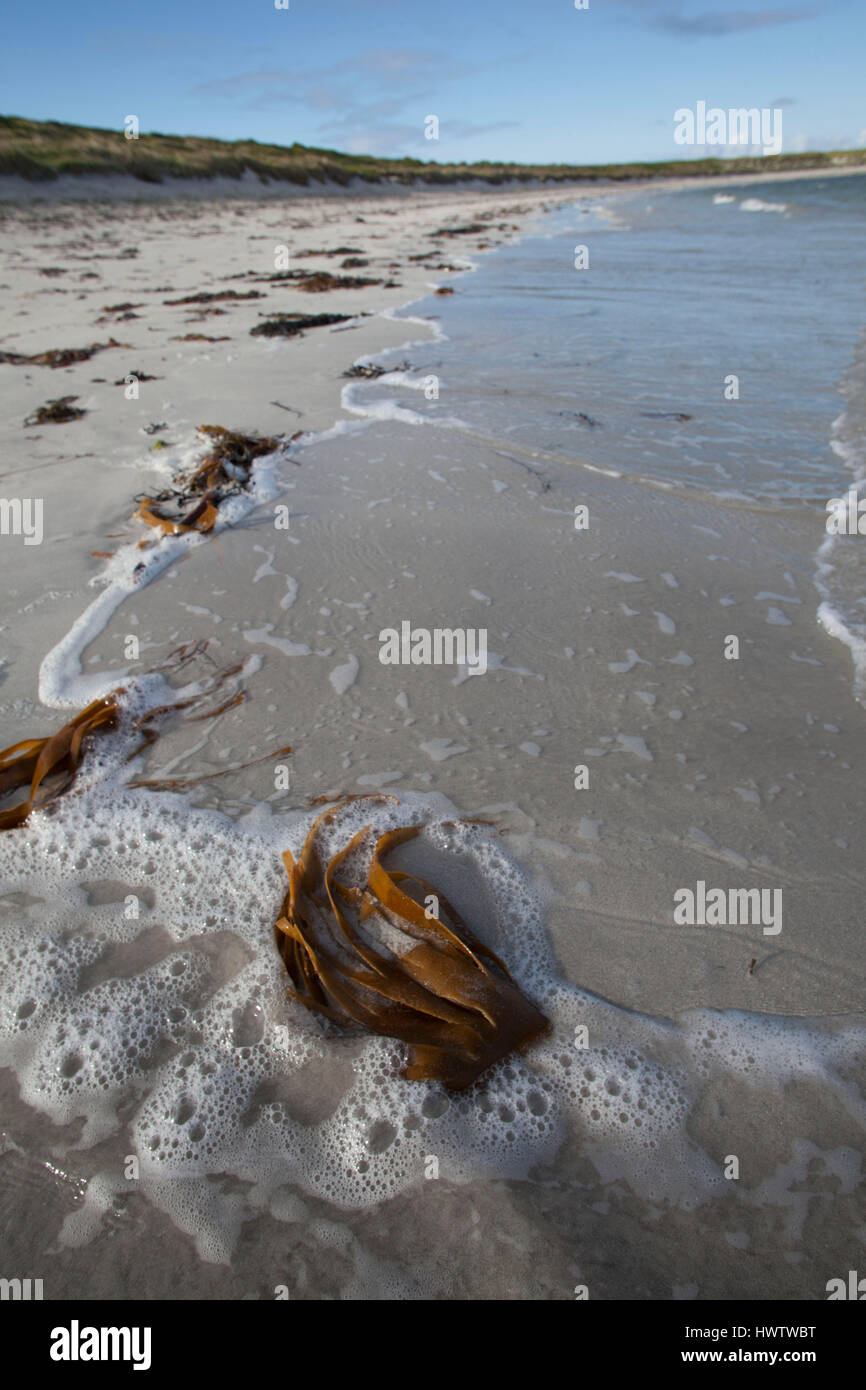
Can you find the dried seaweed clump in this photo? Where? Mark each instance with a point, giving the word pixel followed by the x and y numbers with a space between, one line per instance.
pixel 289 325
pixel 205 298
pixel 58 357
pixel 369 371
pixel 449 997
pixel 56 412
pixel 47 766
pixel 193 503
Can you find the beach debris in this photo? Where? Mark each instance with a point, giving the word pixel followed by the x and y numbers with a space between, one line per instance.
pixel 290 408
pixel 449 997
pixel 56 412
pixel 369 371
pixel 155 428
pixel 47 766
pixel 444 289
pixel 580 415
pixel 521 463
pixel 206 298
pixel 322 280
pixel 192 504
pixel 328 251
pixel 666 415
pixel 58 357
pixel 471 229
pixel 317 281
pixel 289 325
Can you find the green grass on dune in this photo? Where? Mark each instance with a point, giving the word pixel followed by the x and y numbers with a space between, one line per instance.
pixel 43 150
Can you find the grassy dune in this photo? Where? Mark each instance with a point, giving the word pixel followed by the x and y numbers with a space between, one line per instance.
pixel 43 150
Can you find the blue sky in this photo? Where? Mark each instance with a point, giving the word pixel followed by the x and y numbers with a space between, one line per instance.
pixel 523 80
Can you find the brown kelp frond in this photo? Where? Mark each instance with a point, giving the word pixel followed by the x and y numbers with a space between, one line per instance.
pixel 378 956
pixel 173 784
pixel 46 767
pixel 329 798
pixel 192 503
pixel 369 371
pixel 37 762
pixel 55 412
pixel 201 517
pixel 288 325
pixel 58 357
pixel 205 298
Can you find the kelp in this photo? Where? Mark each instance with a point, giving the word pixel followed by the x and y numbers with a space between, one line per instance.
pixel 139 376
pixel 369 371
pixel 193 503
pixel 471 229
pixel 58 357
pixel 449 997
pixel 56 412
pixel 208 298
pixel 666 415
pixel 320 281
pixel 35 762
pixel 288 325
pixel 199 338
pixel 47 767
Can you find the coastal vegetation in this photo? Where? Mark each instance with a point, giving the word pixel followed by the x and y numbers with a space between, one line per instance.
pixel 42 151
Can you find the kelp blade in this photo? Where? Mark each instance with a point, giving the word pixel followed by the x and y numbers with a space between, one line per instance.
pixel 30 763
pixel 449 997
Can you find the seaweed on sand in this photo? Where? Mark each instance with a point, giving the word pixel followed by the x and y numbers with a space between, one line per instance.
pixel 193 503
pixel 471 229
pixel 56 412
pixel 448 996
pixel 47 767
pixel 205 298
pixel 58 357
pixel 36 762
pixel 288 325
pixel 369 371
pixel 317 281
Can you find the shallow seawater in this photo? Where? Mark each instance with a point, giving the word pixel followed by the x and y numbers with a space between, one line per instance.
pixel 177 1127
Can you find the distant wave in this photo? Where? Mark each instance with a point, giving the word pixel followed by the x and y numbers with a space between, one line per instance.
pixel 758 205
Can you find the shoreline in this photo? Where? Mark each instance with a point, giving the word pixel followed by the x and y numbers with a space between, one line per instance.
pixel 16 191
